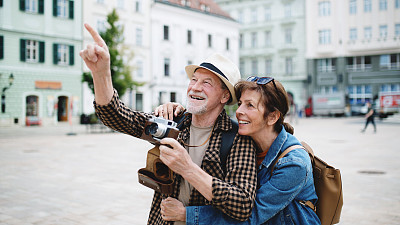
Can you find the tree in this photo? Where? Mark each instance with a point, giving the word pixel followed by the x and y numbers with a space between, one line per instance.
pixel 120 71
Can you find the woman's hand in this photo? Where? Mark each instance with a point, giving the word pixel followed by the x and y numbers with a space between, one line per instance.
pixel 173 210
pixel 169 110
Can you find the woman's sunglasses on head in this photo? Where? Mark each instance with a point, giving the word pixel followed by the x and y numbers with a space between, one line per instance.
pixel 262 80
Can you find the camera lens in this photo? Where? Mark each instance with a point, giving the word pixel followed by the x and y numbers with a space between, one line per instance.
pixel 157 130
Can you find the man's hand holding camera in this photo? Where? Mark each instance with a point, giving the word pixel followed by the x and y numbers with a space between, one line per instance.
pixel 175 156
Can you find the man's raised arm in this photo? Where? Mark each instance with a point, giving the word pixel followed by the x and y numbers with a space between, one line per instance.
pixel 97 59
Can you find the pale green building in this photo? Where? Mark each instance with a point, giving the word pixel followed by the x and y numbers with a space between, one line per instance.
pixel 40 42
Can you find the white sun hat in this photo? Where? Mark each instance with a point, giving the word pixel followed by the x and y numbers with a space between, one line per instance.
pixel 221 66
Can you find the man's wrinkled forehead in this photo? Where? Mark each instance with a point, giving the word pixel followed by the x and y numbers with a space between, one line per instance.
pixel 206 74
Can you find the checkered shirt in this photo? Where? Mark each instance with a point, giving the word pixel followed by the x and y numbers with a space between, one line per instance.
pixel 233 191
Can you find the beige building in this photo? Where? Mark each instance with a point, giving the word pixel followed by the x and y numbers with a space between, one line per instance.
pixel 353 47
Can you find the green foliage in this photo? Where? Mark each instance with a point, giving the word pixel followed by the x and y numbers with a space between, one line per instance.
pixel 231 110
pixel 120 72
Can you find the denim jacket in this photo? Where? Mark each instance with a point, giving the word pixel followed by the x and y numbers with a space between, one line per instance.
pixel 278 195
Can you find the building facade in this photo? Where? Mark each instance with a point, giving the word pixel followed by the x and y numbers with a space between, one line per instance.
pixel 353 47
pixel 183 33
pixel 39 45
pixel 272 41
pixel 134 16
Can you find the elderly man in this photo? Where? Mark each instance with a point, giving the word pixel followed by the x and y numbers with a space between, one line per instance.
pixel 200 179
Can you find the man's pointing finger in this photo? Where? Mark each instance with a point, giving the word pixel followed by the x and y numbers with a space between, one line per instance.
pixel 96 36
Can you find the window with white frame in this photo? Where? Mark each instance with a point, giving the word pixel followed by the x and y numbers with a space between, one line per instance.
pixel 166 33
pixel 383 31
pixel 240 16
pixel 367 6
pixel 288 10
pixel 353 6
pixel 62 54
pixel 253 39
pixel 101 25
pixel 32 51
pixel 390 62
pixel 209 40
pixel 397 4
pixel 288 35
pixel 62 8
pixel 31 6
pixel 367 33
pixel 268 67
pixel 121 4
pixel 267 38
pixel 390 88
pixel 324 8
pixel 254 66
pixel 241 41
pixel 138 6
pixel 241 67
pixel 166 67
pixel 328 89
pixel 189 36
pixel 359 63
pixel 100 1
pixel 326 65
pixel 139 69
pixel 254 15
pixel 353 34
pixel 227 44
pixel 397 30
pixel 267 13
pixel 139 102
pixel 324 37
pixel 289 65
pixel 359 94
pixel 383 5
pixel 139 36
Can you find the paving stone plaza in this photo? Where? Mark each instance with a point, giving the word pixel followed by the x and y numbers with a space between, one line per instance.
pixel 48 176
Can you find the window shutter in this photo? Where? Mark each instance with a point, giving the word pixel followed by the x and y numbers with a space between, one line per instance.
pixel 71 9
pixel 1 47
pixel 22 5
pixel 41 51
pixel 54 7
pixel 41 6
pixel 55 53
pixel 22 47
pixel 71 55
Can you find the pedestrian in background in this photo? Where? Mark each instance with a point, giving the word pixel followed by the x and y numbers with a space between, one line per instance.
pixel 370 116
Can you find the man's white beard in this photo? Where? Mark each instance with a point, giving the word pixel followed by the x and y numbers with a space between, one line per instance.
pixel 196 109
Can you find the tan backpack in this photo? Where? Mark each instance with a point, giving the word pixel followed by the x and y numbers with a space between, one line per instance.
pixel 328 186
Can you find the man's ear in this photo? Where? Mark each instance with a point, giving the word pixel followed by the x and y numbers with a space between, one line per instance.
pixel 226 96
pixel 273 117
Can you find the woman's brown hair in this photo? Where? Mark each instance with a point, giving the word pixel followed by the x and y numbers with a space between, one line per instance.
pixel 274 98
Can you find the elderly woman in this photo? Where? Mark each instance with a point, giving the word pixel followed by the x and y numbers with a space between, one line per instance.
pixel 285 192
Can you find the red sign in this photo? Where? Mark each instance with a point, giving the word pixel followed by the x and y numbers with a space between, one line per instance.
pixel 389 101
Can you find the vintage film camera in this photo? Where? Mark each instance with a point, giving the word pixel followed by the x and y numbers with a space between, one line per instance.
pixel 157 175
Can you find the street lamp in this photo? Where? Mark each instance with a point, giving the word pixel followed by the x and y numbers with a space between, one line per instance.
pixel 3 93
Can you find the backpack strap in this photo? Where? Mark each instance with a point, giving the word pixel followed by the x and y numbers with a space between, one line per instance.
pixel 311 153
pixel 284 153
pixel 226 143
